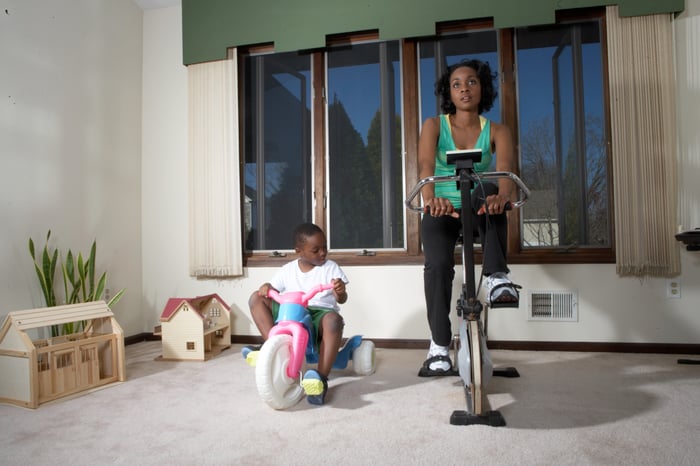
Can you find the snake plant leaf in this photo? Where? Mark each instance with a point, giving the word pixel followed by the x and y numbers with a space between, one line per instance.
pixel 72 295
pixel 66 278
pixel 91 267
pixel 46 267
pixel 97 293
pixel 54 262
pixel 70 267
pixel 42 283
pixel 46 271
pixel 82 276
pixel 49 270
pixel 116 298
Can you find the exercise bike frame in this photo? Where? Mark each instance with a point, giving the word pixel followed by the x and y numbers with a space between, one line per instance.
pixel 474 363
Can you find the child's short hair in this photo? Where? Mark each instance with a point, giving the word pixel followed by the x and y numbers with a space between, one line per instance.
pixel 303 231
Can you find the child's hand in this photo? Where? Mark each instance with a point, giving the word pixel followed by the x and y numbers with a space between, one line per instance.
pixel 339 290
pixel 338 285
pixel 264 289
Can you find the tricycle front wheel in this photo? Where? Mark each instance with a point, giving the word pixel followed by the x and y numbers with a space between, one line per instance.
pixel 275 387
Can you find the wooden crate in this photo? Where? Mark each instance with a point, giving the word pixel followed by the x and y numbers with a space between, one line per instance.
pixel 33 372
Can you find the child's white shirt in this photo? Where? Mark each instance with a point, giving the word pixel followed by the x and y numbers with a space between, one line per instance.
pixel 289 277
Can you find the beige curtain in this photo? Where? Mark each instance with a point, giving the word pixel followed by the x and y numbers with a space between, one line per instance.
pixel 215 217
pixel 644 143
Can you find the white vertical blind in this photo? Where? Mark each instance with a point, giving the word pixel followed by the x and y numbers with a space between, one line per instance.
pixel 687 29
pixel 215 218
pixel 644 143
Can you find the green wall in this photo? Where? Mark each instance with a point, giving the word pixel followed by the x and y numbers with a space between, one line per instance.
pixel 211 26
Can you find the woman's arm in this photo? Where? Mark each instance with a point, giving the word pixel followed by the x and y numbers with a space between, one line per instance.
pixel 427 145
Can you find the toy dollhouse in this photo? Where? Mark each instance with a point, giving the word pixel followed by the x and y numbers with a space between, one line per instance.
pixel 195 329
pixel 36 371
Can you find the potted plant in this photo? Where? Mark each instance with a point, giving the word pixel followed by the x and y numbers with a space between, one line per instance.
pixel 79 280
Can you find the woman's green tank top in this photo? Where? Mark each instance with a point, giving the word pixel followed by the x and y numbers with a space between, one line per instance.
pixel 442 168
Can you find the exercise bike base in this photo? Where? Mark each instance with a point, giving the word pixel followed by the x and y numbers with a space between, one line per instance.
pixel 509 372
pixel 490 418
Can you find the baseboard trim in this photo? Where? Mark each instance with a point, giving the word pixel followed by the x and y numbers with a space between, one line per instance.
pixel 574 346
pixel 140 338
pixel 596 347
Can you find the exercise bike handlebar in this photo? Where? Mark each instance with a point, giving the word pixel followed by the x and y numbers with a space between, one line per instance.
pixel 524 192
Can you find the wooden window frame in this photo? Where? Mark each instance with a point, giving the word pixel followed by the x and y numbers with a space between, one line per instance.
pixel 412 253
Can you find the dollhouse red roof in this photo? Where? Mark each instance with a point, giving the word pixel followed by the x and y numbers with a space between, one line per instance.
pixel 197 304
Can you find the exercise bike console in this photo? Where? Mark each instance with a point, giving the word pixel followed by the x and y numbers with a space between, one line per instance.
pixel 463 158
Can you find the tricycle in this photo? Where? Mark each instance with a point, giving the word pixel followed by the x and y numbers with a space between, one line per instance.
pixel 292 342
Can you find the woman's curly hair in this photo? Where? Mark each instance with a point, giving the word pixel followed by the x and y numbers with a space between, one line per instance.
pixel 486 78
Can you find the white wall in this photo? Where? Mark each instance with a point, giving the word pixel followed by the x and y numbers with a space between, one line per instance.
pixel 611 309
pixel 70 142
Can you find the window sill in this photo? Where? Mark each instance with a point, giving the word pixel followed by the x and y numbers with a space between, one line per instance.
pixel 540 256
pixel 344 259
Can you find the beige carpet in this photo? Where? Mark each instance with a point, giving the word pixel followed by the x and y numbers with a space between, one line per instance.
pixel 566 408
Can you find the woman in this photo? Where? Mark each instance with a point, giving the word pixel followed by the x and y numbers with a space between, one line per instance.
pixel 466 90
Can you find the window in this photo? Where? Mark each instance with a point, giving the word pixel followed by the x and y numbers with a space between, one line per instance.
pixel 331 137
pixel 361 190
pixel 277 147
pixel 563 154
pixel 365 167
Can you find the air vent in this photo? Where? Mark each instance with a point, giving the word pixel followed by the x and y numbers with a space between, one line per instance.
pixel 559 306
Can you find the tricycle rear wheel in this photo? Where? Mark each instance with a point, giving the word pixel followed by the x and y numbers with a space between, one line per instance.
pixel 363 362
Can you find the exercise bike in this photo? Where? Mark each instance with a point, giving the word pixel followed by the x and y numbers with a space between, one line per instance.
pixel 291 342
pixel 471 353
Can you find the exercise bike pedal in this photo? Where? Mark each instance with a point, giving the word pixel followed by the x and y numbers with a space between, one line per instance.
pixel 489 418
pixel 505 304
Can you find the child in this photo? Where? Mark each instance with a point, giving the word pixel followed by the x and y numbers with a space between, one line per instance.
pixel 309 270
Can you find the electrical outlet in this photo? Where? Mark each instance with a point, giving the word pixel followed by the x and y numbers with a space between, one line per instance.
pixel 673 288
pixel 108 294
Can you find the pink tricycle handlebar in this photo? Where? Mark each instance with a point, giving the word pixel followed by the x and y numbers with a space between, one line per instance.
pixel 297 297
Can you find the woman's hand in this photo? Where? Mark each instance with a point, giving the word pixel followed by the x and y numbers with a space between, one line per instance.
pixel 495 204
pixel 439 206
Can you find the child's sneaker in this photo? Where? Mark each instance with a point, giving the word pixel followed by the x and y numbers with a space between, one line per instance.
pixel 315 386
pixel 250 354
